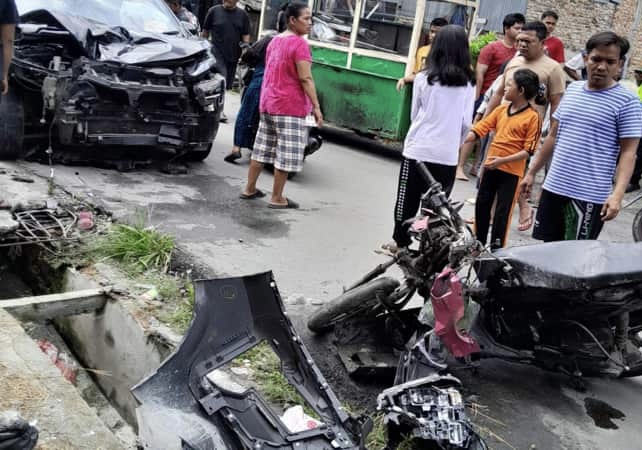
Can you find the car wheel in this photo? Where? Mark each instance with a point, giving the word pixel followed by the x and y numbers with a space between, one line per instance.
pixel 197 155
pixel 12 125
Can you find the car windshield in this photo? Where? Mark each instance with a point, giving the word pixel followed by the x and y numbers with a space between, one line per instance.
pixel 152 16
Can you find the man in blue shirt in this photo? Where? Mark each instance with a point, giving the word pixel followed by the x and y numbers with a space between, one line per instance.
pixel 597 122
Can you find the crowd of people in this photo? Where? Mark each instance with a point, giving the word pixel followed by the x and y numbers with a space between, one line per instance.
pixel 513 105
pixel 592 131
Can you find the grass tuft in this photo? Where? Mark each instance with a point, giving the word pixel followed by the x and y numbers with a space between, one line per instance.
pixel 266 373
pixel 182 315
pixel 137 247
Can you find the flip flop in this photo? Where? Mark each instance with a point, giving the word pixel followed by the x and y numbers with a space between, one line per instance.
pixel 289 204
pixel 231 157
pixel 526 224
pixel 257 194
pixel 462 177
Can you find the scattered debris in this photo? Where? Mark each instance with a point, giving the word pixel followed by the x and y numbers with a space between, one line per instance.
pixel 296 299
pixel 22 179
pixel 85 220
pixel 63 362
pixel 151 294
pixel 16 433
pixel 297 421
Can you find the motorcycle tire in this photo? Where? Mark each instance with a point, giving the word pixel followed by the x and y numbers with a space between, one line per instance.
pixel 350 303
pixel 637 227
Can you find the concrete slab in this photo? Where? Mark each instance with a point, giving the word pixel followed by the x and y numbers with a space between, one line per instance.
pixel 20 190
pixel 34 387
pixel 7 223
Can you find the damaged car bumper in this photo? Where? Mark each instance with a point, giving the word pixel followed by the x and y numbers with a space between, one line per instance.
pixel 184 405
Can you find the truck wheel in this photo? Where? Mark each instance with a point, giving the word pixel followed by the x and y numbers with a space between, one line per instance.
pixel 355 301
pixel 637 227
pixel 12 125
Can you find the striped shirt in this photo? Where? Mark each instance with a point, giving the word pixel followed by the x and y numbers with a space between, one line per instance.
pixel 591 124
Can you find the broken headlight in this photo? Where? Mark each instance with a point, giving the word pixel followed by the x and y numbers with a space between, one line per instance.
pixel 210 93
pixel 428 410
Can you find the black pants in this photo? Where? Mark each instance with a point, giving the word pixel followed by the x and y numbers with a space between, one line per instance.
pixel 503 185
pixel 561 218
pixel 409 191
pixel 637 170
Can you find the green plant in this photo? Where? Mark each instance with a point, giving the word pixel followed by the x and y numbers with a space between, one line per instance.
pixel 137 247
pixel 266 372
pixel 182 315
pixel 480 42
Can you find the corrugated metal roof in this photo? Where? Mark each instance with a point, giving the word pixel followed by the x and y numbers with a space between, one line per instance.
pixel 495 10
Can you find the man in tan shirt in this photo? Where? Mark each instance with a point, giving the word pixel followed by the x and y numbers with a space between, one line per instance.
pixel 530 48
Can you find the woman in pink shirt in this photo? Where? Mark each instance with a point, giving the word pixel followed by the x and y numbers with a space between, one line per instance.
pixel 288 95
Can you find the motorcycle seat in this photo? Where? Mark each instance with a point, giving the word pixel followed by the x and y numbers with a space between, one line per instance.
pixel 576 265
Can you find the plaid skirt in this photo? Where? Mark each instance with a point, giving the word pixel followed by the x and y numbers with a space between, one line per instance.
pixel 281 141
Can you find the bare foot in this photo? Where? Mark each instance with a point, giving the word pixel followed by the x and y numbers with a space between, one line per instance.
pixel 461 175
pixel 525 218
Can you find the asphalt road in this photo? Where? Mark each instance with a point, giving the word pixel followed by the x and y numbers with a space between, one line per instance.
pixel 347 193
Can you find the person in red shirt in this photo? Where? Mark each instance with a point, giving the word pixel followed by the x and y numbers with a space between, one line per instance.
pixel 491 58
pixel 553 46
pixel 495 54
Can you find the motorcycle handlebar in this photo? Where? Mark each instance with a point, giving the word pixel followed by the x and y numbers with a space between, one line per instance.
pixel 425 173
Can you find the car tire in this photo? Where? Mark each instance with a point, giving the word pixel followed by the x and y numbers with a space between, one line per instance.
pixel 197 155
pixel 12 126
pixel 357 301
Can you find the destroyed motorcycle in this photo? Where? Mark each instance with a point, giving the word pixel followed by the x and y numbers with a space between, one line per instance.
pixel 573 307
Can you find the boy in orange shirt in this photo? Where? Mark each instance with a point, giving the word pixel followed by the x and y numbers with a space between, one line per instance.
pixel 517 129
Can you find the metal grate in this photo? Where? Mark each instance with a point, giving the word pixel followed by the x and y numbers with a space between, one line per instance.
pixel 40 226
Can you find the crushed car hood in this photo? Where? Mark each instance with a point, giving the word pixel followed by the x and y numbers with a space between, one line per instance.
pixel 183 406
pixel 116 44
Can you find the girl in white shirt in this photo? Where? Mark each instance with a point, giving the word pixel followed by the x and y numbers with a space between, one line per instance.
pixel 443 99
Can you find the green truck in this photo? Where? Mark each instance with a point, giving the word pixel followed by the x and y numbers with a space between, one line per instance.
pixel 360 48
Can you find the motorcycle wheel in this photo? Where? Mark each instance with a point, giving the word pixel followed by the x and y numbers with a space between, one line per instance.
pixel 637 227
pixel 350 303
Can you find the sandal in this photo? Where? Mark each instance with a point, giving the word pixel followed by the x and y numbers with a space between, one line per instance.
pixel 257 194
pixel 232 156
pixel 526 224
pixel 289 204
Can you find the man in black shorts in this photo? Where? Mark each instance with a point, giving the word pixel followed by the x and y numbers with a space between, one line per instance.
pixel 228 26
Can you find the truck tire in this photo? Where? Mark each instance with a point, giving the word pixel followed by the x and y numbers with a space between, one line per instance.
pixel 352 302
pixel 637 227
pixel 12 125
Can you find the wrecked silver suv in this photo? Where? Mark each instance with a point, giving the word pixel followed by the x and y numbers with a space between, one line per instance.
pixel 110 74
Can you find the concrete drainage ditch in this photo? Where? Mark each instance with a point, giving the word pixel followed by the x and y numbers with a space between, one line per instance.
pixel 114 346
